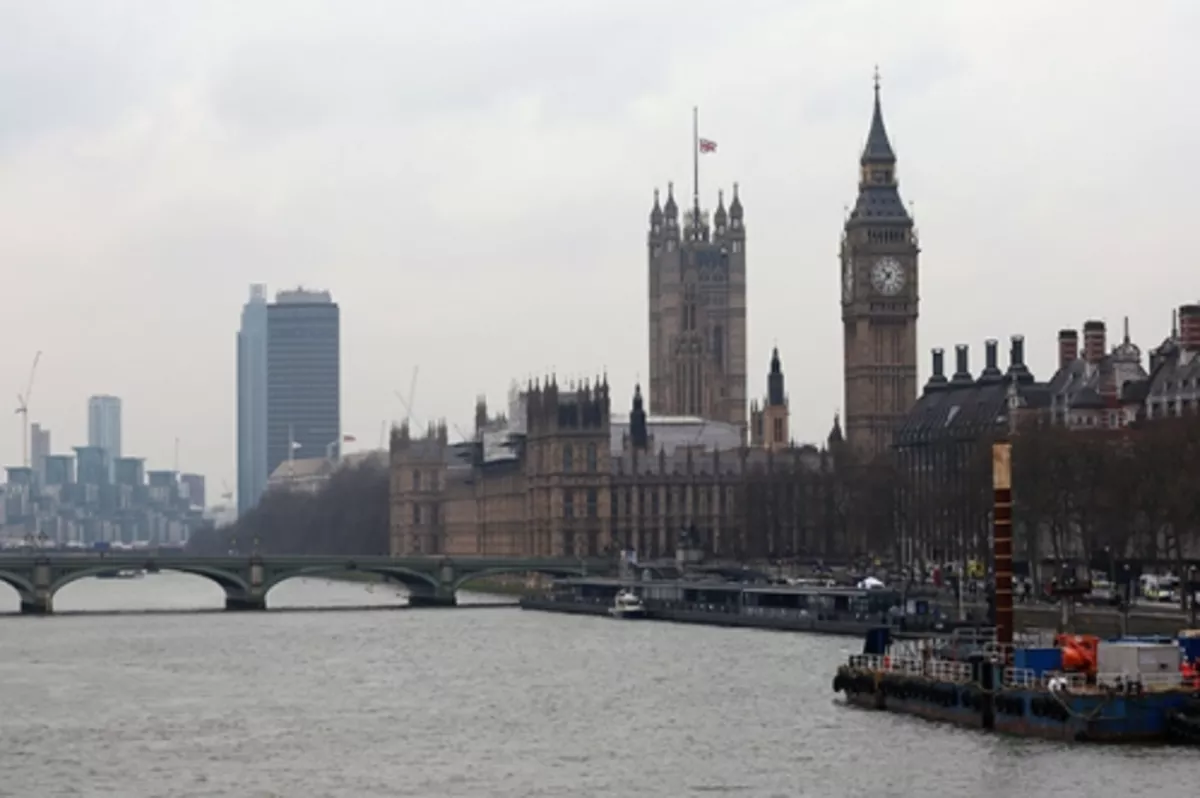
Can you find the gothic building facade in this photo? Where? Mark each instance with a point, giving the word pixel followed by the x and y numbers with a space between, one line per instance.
pixel 561 475
pixel 880 300
pixel 698 311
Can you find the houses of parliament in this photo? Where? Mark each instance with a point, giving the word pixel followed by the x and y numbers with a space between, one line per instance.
pixel 560 472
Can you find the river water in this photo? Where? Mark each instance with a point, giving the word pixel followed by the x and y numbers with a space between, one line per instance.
pixel 474 702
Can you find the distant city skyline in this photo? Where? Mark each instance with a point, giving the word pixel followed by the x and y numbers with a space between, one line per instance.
pixel 484 217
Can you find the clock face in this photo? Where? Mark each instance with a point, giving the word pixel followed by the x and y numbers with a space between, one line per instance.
pixel 887 276
pixel 848 280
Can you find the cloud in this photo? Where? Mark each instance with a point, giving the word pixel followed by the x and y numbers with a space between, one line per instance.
pixel 471 180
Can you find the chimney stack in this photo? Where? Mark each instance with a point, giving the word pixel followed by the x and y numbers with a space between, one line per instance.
pixel 1016 361
pixel 1068 347
pixel 962 368
pixel 938 378
pixel 991 371
pixel 1094 343
pixel 1017 353
pixel 1189 328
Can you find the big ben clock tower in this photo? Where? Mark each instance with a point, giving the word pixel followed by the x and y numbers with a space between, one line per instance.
pixel 880 298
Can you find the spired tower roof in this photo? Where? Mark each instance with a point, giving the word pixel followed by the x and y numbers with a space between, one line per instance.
pixel 878 190
pixel 878 149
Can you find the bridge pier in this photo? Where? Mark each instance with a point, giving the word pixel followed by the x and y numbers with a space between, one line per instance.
pixel 36 605
pixel 246 603
pixel 432 600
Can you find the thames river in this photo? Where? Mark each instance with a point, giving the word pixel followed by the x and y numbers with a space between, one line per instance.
pixel 474 702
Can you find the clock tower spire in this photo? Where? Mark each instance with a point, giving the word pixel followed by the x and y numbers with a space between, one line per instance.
pixel 880 298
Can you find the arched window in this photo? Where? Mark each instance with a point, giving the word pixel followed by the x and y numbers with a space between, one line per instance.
pixel 591 457
pixel 568 456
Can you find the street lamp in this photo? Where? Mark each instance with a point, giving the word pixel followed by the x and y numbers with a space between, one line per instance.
pixel 1128 600
pixel 1193 587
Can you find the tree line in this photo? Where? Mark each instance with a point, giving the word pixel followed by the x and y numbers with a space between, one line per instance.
pixel 348 515
pixel 1095 494
pixel 1131 493
pixel 1128 493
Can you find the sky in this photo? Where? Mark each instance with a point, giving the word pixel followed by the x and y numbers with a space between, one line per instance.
pixel 471 181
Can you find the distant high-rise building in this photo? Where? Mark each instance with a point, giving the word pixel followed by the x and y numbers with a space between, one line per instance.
pixel 303 377
pixel 93 466
pixel 193 489
pixel 104 425
pixel 252 400
pixel 39 450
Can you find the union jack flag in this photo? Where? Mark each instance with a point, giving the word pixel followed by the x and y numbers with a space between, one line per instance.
pixel 708 145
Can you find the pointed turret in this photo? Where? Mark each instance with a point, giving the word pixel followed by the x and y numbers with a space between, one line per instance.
pixel 639 433
pixel 878 191
pixel 720 217
pixel 656 213
pixel 835 434
pixel 878 149
pixel 775 394
pixel 735 207
pixel 671 210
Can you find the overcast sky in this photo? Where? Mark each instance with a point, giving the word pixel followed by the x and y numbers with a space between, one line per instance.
pixel 471 180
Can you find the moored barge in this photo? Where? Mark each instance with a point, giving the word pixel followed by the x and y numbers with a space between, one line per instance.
pixel 798 608
pixel 1078 688
pixel 1136 691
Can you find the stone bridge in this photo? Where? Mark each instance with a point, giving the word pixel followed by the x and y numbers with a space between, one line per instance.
pixel 432 581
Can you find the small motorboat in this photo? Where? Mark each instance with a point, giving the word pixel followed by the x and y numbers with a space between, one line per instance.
pixel 123 573
pixel 627 605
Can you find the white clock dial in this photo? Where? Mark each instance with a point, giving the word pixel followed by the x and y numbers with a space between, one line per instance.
pixel 848 280
pixel 887 276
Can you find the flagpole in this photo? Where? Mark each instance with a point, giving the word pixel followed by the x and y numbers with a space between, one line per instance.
pixel 696 165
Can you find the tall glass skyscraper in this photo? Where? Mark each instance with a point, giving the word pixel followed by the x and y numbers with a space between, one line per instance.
pixel 303 377
pixel 252 400
pixel 104 424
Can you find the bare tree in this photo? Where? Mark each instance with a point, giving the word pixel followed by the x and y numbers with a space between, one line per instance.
pixel 349 515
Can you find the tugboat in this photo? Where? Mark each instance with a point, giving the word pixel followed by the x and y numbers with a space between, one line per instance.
pixel 627 605
pixel 1079 688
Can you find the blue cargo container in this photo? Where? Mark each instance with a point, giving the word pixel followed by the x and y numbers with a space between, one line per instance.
pixel 1038 660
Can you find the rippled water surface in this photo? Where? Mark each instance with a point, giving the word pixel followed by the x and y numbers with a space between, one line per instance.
pixel 475 702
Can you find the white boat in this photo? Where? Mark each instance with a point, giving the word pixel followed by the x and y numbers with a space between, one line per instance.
pixel 627 605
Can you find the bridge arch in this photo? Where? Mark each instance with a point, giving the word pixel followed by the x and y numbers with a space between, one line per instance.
pixel 230 582
pixel 18 583
pixel 415 581
pixel 521 568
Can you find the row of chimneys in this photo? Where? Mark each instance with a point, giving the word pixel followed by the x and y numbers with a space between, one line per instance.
pixel 991 372
pixel 1095 344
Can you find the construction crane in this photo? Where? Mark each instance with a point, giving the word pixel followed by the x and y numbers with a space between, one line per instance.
pixel 23 409
pixel 412 393
pixel 227 495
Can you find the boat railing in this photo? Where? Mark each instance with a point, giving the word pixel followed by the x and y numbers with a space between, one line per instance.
pixel 1148 681
pixel 1022 677
pixel 939 670
pixel 975 635
pixel 998 652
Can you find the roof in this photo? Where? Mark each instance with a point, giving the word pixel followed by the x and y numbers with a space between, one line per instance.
pixel 1078 384
pixel 670 433
pixel 317 467
pixel 1176 371
pixel 964 412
